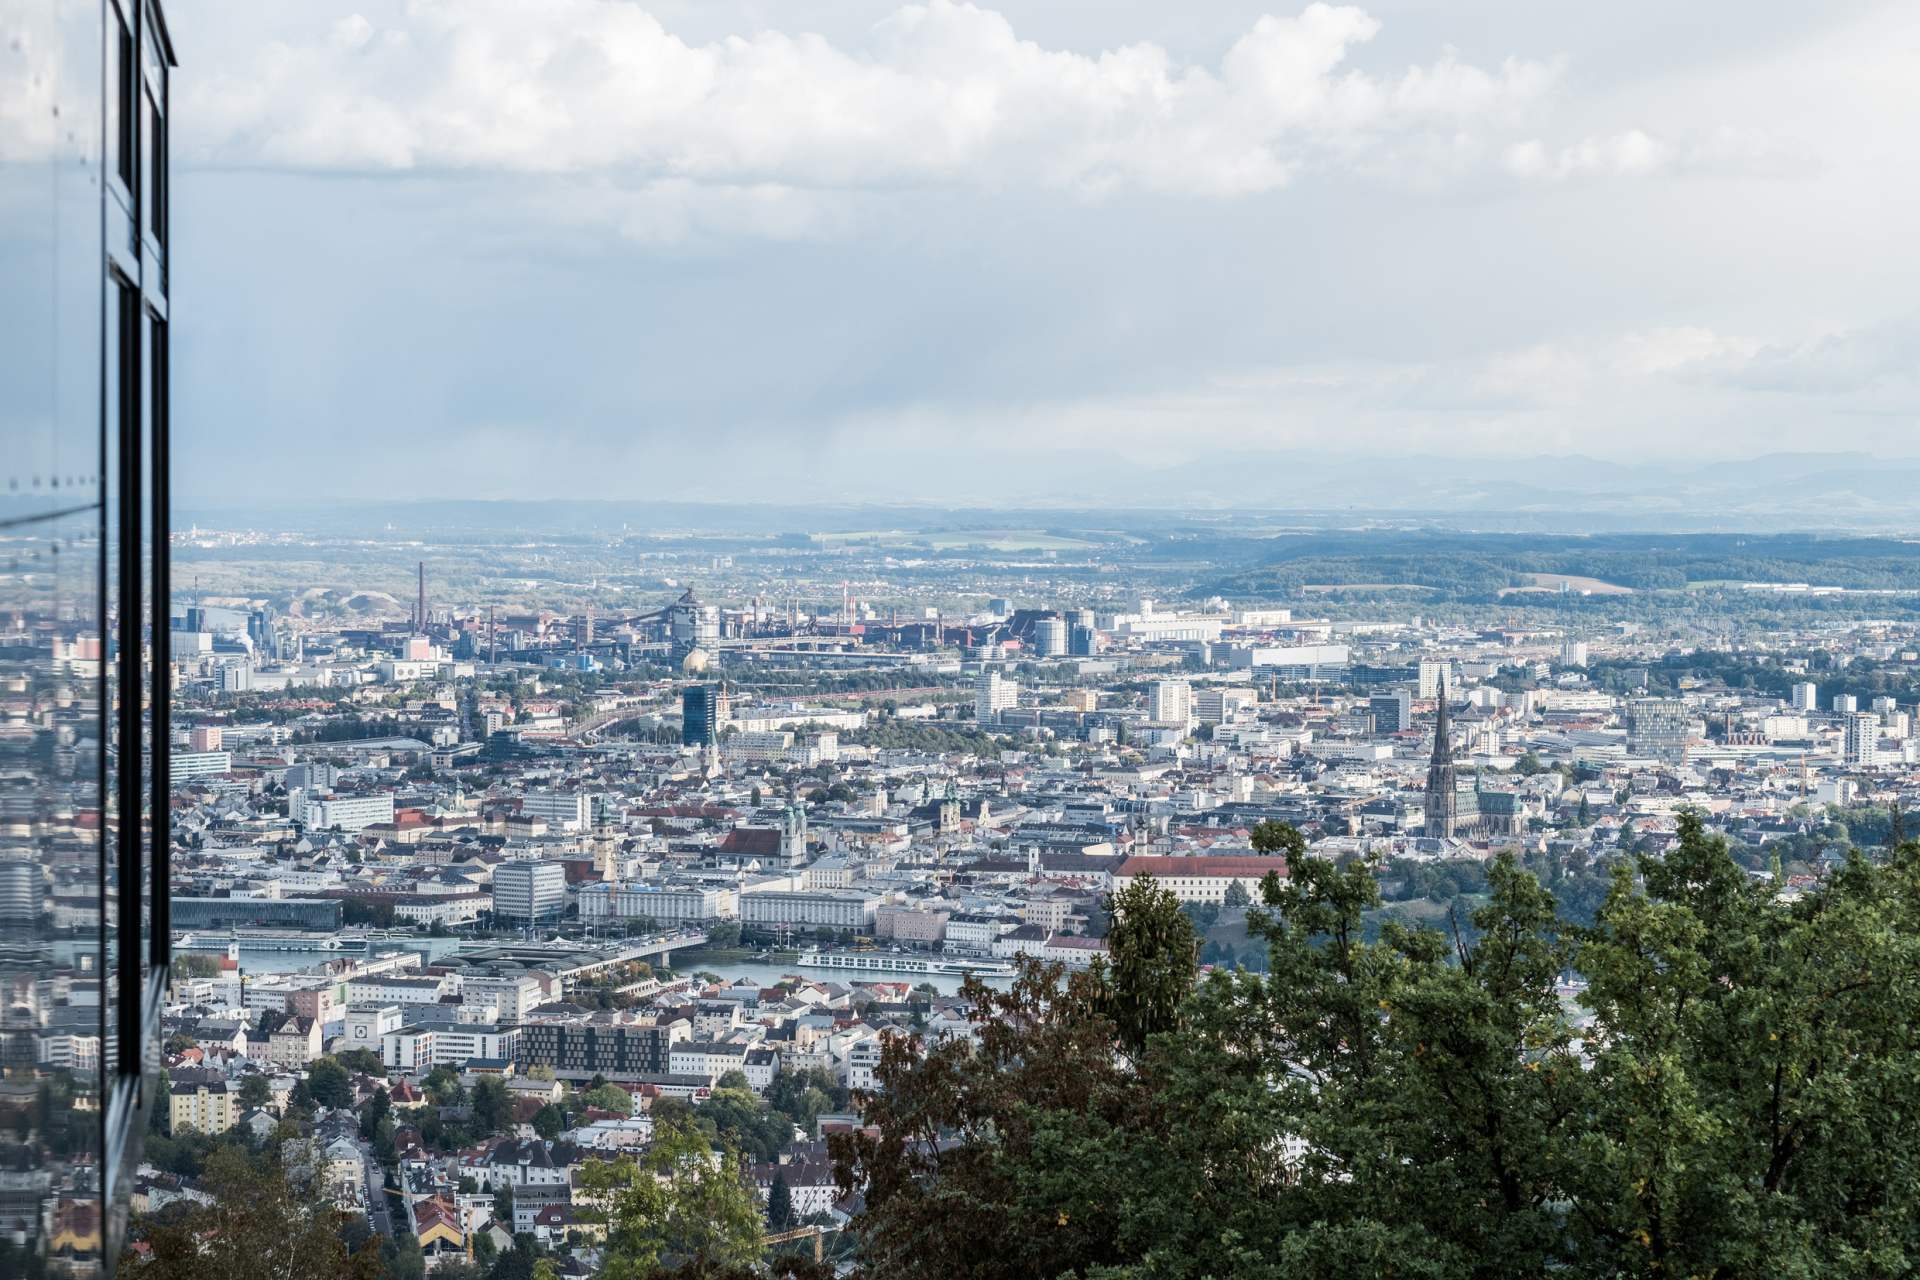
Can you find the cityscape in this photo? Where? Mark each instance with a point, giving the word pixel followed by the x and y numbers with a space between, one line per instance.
pixel 523 851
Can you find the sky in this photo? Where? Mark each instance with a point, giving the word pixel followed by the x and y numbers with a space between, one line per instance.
pixel 1037 251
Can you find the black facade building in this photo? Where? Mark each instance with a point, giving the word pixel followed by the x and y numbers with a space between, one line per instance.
pixel 582 1050
pixel 700 715
pixel 84 673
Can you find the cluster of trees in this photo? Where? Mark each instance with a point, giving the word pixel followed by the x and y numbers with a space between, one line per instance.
pixel 682 1210
pixel 947 737
pixel 1729 1096
pixel 257 1226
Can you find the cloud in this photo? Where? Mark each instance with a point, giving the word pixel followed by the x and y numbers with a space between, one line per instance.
pixel 938 94
pixel 1630 154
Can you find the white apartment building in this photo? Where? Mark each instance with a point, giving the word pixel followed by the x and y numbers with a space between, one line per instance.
pixel 1215 706
pixel 380 989
pixel 1862 742
pixel 757 747
pixel 706 1058
pixel 507 997
pixel 667 904
pixel 347 813
pixel 447 908
pixel 366 1026
pixel 448 1044
pixel 1806 696
pixel 198 764
pixel 563 810
pixel 1171 702
pixel 975 932
pixel 808 910
pixel 992 694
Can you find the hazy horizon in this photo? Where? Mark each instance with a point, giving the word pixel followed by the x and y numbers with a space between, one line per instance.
pixel 1029 252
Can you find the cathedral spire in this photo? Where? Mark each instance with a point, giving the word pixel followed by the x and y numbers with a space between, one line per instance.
pixel 1442 732
pixel 1443 801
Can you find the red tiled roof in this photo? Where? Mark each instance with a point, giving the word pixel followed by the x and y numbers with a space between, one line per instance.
pixel 1247 866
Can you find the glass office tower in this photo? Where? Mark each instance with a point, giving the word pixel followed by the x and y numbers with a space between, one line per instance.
pixel 84 671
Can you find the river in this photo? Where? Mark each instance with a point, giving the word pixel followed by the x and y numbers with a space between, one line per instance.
pixel 766 973
pixel 256 963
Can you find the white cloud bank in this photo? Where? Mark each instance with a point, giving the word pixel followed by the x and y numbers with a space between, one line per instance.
pixel 940 94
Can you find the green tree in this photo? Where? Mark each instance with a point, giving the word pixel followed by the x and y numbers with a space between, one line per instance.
pixel 679 1203
pixel 999 1158
pixel 443 1088
pixel 1278 837
pixel 1418 1102
pixel 255 1229
pixel 255 1091
pixel 1153 952
pixel 549 1121
pixel 377 1110
pixel 779 1203
pixel 492 1108
pixel 329 1084
pixel 609 1097
pixel 365 1061
pixel 1237 895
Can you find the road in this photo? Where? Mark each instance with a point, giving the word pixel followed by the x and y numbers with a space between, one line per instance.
pixel 379 1209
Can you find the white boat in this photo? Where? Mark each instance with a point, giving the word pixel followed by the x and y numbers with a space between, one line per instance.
pixel 894 962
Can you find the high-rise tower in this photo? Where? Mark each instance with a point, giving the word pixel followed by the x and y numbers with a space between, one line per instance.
pixel 1443 800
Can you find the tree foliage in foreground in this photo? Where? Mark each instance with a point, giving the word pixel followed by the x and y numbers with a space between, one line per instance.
pixel 680 1207
pixel 256 1229
pixel 1730 1097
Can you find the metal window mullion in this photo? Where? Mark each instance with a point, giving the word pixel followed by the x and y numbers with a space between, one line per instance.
pixel 131 686
pixel 160 933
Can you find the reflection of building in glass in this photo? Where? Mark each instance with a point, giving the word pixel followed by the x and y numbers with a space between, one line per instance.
pixel 256 913
pixel 84 643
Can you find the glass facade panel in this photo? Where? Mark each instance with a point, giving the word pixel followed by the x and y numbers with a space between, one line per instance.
pixel 70 1101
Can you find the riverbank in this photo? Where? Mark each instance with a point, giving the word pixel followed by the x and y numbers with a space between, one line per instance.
pixel 707 957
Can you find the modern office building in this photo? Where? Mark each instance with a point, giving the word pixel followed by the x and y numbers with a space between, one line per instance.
pixel 529 890
pixel 1657 728
pixel 700 715
pixel 1392 710
pixel 84 651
